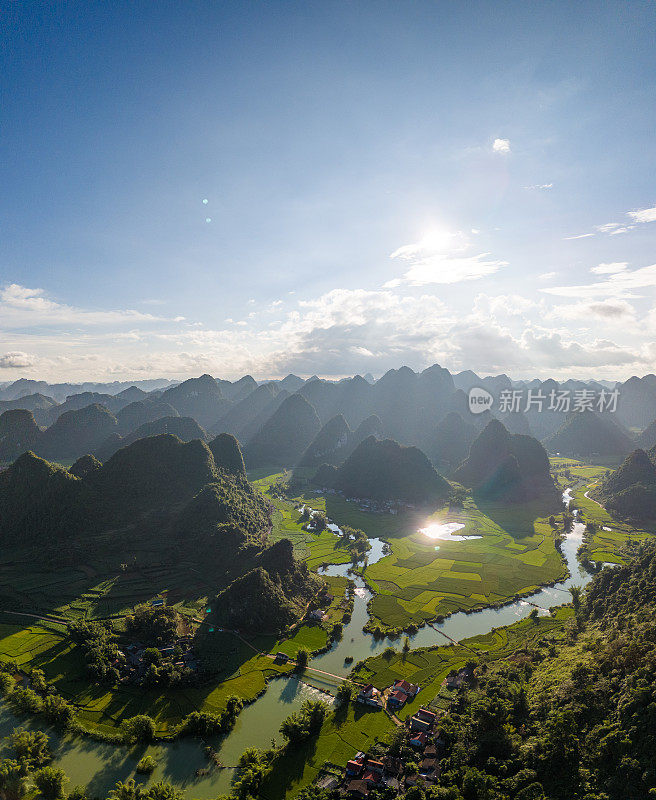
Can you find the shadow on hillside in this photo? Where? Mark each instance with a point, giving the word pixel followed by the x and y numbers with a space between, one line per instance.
pixel 517 519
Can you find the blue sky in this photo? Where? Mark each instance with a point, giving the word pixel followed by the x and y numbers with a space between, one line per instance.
pixel 386 183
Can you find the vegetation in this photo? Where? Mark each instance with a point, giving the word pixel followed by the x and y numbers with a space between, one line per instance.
pixel 507 467
pixel 384 470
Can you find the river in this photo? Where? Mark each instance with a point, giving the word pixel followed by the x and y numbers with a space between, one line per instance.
pixel 99 766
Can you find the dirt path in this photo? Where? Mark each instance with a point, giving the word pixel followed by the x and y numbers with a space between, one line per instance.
pixel 57 620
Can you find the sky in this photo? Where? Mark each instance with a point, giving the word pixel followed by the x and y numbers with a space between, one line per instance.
pixel 326 188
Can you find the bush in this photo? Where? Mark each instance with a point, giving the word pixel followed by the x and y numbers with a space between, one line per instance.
pixel 50 782
pixel 7 684
pixel 146 765
pixel 26 700
pixel 138 729
pixel 58 711
pixel 32 748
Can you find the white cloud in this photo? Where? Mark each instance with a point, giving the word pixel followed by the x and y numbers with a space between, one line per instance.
pixel 547 276
pixel 578 236
pixel 22 307
pixel 619 284
pixel 540 186
pixel 17 360
pixel 440 257
pixel 609 268
pixel 501 146
pixel 607 310
pixel 643 215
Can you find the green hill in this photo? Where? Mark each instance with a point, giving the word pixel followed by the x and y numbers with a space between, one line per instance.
pixel 508 467
pixel 281 441
pixel 76 433
pixel 18 433
pixel 330 445
pixel 587 434
pixel 630 491
pixel 140 412
pixel 199 398
pixel 227 454
pixel 269 597
pixel 384 470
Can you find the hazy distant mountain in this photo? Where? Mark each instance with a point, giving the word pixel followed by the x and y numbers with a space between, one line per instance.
pixel 246 416
pixel 507 467
pixel 451 439
pixel 636 406
pixel 18 433
pixel 199 398
pixel 630 491
pixel 42 407
pixel 588 434
pixel 284 437
pixel 647 439
pixel 330 445
pixel 76 432
pixel 185 428
pixel 135 414
pixel 384 470
pixel 237 390
pixel 323 396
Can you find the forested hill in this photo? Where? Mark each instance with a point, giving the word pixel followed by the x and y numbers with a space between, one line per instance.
pixel 573 717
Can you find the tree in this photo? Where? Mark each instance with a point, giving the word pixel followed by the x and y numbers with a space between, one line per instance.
pixel 302 658
pixel 345 692
pixel 319 521
pixel 26 700
pixel 304 723
pixel 58 711
pixel 138 729
pixel 32 748
pixel 126 791
pixel 162 790
pixel 151 655
pixel 38 681
pixel 12 779
pixel 50 782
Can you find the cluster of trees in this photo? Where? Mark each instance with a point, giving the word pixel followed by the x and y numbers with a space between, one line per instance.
pixel 203 724
pixel 98 641
pixel 357 542
pixel 42 699
pixel 153 625
pixel 29 766
pixel 304 723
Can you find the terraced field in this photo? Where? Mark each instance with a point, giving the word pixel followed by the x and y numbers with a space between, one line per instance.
pixel 423 578
pixel 611 534
pixel 428 667
pixel 240 669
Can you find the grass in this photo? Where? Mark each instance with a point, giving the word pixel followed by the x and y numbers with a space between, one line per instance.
pixel 241 671
pixel 603 545
pixel 428 667
pixel 345 732
pixel 423 578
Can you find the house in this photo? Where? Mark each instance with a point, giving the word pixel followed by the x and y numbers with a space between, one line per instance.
pixel 357 788
pixel 429 766
pixel 430 751
pixel 418 724
pixel 370 777
pixel 419 740
pixel 354 767
pixel 375 766
pixel 316 614
pixel 157 603
pixel 397 699
pixel 410 689
pixel 425 714
pixel 369 696
pixel 281 658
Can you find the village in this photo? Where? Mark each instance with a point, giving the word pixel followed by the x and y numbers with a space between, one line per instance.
pixel 366 772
